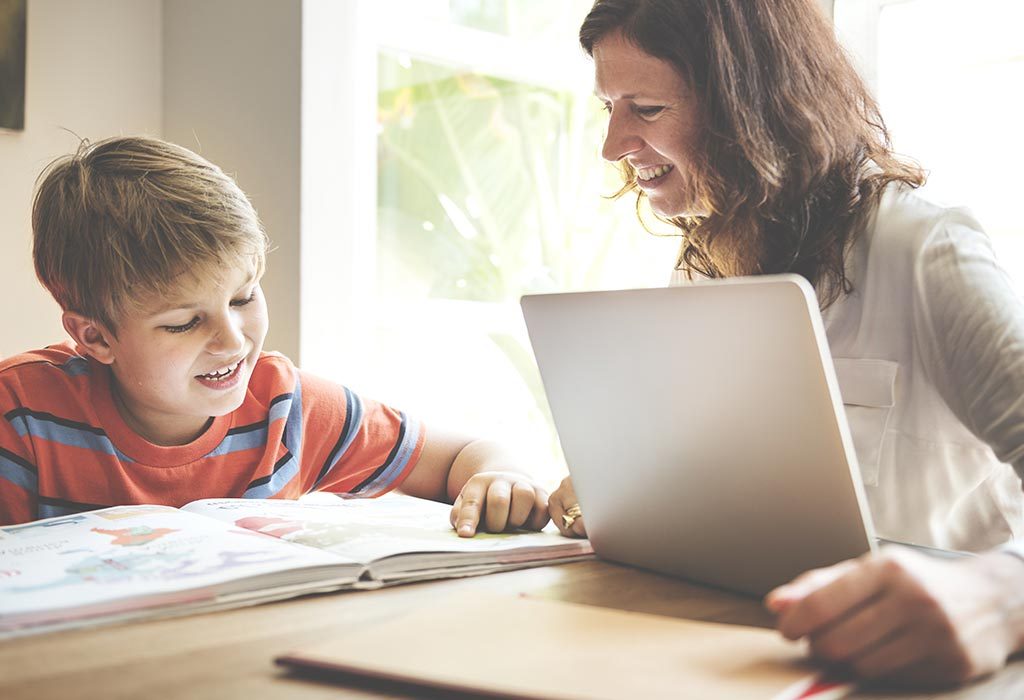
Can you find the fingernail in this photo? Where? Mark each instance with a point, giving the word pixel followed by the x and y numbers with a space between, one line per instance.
pixel 780 598
pixel 466 529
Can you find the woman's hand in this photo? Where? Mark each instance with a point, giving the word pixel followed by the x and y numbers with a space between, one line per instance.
pixel 499 501
pixel 561 501
pixel 909 617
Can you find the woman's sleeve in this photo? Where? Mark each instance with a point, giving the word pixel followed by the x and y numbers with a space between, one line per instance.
pixel 969 330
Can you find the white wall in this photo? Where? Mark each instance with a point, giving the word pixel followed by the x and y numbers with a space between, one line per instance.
pixel 231 91
pixel 94 68
pixel 219 76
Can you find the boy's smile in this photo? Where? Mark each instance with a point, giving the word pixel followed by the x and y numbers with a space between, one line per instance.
pixel 225 378
pixel 177 362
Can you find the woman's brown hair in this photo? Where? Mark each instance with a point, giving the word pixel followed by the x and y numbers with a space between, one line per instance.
pixel 794 155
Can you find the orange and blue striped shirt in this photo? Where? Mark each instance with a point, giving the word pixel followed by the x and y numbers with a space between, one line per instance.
pixel 64 447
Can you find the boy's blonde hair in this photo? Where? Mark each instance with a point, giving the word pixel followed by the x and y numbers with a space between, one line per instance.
pixel 117 223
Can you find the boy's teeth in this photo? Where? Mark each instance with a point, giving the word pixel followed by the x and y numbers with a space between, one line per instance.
pixel 219 374
pixel 651 173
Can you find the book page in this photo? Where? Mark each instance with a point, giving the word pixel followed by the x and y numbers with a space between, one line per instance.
pixel 370 529
pixel 112 558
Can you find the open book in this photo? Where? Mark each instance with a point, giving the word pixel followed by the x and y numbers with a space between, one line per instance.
pixel 131 562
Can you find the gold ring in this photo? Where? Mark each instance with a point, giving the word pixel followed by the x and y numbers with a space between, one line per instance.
pixel 570 515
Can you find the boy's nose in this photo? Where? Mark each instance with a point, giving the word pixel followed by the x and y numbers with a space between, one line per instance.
pixel 228 338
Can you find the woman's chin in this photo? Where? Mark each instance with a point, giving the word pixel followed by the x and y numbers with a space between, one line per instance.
pixel 666 211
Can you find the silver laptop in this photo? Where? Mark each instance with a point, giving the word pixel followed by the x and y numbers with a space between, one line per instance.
pixel 703 428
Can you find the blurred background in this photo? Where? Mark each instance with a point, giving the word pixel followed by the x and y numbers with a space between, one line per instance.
pixel 420 164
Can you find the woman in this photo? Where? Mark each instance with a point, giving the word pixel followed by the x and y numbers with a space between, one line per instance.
pixel 742 123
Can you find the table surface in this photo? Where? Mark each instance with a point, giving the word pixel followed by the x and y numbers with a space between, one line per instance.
pixel 229 654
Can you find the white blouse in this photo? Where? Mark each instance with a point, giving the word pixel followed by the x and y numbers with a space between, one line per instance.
pixel 929 354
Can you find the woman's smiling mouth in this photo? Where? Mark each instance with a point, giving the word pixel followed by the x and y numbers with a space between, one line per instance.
pixel 652 176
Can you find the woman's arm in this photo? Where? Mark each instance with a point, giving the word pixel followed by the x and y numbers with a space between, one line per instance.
pixel 908 616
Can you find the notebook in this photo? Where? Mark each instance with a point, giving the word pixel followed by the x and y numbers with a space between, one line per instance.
pixel 515 647
pixel 703 428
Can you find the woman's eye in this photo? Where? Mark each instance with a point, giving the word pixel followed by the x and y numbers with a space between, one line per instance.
pixel 243 302
pixel 183 328
pixel 649 111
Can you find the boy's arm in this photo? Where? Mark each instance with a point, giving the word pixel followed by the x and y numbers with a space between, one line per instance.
pixel 17 489
pixel 18 477
pixel 483 481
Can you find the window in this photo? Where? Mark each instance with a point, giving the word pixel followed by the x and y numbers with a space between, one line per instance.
pixel 488 185
pixel 949 77
pixel 451 163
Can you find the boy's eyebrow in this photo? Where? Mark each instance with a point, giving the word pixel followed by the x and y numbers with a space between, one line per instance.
pixel 173 306
pixel 185 305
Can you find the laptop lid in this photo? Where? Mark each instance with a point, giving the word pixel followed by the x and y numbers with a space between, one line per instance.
pixel 703 428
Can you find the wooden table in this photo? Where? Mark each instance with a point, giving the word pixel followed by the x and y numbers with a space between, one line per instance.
pixel 229 654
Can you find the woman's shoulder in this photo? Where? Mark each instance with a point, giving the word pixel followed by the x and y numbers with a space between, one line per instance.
pixel 908 220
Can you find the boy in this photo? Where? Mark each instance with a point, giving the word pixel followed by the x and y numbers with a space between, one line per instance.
pixel 164 394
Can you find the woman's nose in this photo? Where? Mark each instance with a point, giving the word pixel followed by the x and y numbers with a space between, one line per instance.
pixel 621 139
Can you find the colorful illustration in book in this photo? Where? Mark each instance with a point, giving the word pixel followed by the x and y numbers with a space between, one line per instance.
pixel 165 565
pixel 134 536
pixel 42 527
pixel 364 529
pixel 325 535
pixel 276 527
pixel 314 534
pixel 135 512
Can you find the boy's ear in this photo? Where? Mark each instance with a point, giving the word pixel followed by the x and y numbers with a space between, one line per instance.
pixel 91 335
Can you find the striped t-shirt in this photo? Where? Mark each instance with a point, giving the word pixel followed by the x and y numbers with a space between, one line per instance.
pixel 65 448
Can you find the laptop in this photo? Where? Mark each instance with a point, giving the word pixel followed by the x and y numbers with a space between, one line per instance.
pixel 703 428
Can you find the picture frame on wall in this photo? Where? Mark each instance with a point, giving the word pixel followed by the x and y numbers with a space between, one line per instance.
pixel 13 27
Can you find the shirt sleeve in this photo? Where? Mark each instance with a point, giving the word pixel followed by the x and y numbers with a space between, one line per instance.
pixel 357 446
pixel 19 479
pixel 970 333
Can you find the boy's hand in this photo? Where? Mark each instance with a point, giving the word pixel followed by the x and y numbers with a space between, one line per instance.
pixel 499 501
pixel 907 617
pixel 562 500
